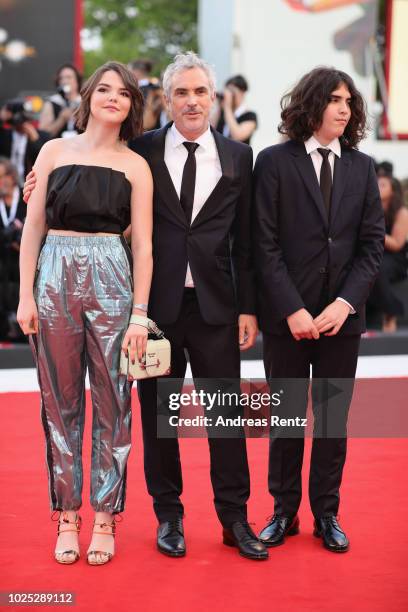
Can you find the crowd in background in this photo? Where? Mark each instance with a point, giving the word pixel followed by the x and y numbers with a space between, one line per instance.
pixel 21 138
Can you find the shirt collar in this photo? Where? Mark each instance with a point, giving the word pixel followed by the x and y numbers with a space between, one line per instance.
pixel 205 140
pixel 312 144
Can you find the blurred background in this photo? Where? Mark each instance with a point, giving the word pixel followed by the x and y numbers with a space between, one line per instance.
pixel 270 42
pixel 259 50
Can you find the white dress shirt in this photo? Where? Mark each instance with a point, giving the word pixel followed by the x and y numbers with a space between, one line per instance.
pixel 311 149
pixel 9 214
pixel 207 175
pixel 311 145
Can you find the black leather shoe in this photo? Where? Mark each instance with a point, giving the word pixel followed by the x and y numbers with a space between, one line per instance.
pixel 242 536
pixel 170 538
pixel 279 527
pixel 334 538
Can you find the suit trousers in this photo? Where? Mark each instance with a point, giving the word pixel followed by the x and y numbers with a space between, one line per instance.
pixel 214 353
pixel 287 365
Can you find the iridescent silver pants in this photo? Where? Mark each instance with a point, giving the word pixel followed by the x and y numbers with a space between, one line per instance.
pixel 83 291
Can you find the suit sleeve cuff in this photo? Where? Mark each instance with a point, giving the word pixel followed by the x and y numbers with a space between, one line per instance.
pixel 352 311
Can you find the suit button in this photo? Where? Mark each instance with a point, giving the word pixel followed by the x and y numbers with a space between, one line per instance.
pixel 329 240
pixel 322 270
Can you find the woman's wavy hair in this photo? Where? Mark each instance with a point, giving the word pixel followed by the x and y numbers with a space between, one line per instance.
pixel 74 69
pixel 133 124
pixel 396 202
pixel 303 107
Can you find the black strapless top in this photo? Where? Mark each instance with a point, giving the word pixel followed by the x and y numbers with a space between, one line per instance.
pixel 88 199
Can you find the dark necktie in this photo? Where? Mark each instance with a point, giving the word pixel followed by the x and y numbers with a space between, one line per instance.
pixel 188 180
pixel 326 179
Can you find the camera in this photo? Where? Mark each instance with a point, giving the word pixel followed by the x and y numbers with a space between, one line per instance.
pixel 20 110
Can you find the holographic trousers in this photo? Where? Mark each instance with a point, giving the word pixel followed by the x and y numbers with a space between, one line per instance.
pixel 83 291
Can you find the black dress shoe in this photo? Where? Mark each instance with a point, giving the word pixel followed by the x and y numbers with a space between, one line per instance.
pixel 242 536
pixel 170 538
pixel 279 527
pixel 334 538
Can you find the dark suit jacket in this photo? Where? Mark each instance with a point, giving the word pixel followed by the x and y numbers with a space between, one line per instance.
pixel 301 257
pixel 32 150
pixel 216 245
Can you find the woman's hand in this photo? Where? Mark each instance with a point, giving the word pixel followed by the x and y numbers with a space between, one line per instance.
pixel 135 342
pixel 27 316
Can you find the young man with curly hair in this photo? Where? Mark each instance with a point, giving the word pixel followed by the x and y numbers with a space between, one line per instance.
pixel 319 234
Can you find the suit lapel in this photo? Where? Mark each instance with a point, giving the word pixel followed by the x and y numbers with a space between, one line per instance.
pixel 306 169
pixel 341 172
pixel 227 169
pixel 163 182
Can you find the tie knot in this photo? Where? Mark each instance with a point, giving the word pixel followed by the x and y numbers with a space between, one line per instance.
pixel 324 153
pixel 191 146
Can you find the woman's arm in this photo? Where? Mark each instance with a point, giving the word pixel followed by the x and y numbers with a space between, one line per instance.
pixel 47 121
pixel 238 131
pixel 399 233
pixel 142 228
pixel 141 233
pixel 33 232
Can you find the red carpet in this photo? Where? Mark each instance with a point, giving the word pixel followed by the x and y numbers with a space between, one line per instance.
pixel 300 575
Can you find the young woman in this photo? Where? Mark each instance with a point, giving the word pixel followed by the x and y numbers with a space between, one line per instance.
pixel 395 262
pixel 76 299
pixel 58 114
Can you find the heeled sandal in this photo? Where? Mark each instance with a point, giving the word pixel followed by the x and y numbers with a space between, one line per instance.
pixel 106 556
pixel 62 556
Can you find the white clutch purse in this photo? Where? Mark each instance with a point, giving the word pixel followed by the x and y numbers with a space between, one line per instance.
pixel 157 359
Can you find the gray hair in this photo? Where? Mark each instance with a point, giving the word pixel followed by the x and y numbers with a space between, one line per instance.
pixel 186 61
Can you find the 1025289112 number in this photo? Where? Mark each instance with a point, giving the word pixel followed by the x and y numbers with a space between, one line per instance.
pixel 16 598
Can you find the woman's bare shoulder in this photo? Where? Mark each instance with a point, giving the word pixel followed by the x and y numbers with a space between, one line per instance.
pixel 135 165
pixel 53 146
pixel 49 154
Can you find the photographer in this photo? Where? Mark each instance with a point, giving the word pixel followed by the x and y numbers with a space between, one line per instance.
pixel 12 214
pixel 20 141
pixel 152 94
pixel 57 114
pixel 234 120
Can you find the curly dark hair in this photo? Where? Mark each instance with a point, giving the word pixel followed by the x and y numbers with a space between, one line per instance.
pixel 396 202
pixel 303 107
pixel 133 124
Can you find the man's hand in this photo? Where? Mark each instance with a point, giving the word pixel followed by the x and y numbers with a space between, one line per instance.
pixel 29 185
pixel 248 331
pixel 332 318
pixel 302 326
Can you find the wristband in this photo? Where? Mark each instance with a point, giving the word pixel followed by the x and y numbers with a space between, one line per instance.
pixel 140 307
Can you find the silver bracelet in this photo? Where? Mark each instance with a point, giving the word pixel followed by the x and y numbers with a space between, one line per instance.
pixel 140 307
